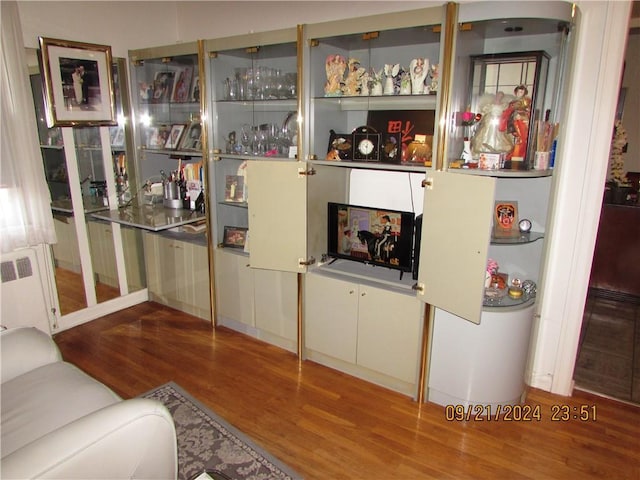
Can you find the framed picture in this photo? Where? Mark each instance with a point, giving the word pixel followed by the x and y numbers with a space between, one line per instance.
pixel 234 188
pixel 505 219
pixel 156 137
pixel 182 86
pixel 78 83
pixel 116 135
pixel 192 139
pixel 173 140
pixel 163 86
pixel 195 90
pixel 234 237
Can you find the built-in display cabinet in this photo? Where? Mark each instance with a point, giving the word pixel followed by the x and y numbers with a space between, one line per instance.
pixel 168 128
pixel 253 96
pixel 391 116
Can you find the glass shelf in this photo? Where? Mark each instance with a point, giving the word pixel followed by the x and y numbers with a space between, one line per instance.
pixel 520 239
pixel 503 173
pixel 401 167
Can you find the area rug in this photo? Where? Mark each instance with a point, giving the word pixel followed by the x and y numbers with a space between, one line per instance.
pixel 206 442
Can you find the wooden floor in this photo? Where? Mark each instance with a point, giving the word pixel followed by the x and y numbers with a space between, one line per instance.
pixel 327 425
pixel 71 296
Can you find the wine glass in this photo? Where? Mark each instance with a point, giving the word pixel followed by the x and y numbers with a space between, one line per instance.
pixel 246 136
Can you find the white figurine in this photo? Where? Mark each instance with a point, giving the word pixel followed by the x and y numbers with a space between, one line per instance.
pixel 391 71
pixel 418 70
pixel 376 83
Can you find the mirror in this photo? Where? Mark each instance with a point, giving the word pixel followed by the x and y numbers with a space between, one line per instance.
pixel 89 170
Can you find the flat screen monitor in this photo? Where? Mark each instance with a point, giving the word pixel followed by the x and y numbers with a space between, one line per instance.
pixel 371 235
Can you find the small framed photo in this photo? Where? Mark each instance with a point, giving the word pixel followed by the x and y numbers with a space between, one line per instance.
pixel 156 137
pixel 78 83
pixel 173 140
pixel 195 90
pixel 235 237
pixel 117 136
pixel 505 219
pixel 192 139
pixel 182 85
pixel 163 86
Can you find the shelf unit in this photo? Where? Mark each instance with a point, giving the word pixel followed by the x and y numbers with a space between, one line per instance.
pixel 252 101
pixel 288 179
pixel 166 105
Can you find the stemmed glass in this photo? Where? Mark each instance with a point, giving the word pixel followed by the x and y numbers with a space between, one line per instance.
pixel 246 136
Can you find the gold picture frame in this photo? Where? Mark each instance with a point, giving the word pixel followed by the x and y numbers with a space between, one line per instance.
pixel 77 83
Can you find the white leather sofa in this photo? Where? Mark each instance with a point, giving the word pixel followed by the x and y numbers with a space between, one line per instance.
pixel 58 422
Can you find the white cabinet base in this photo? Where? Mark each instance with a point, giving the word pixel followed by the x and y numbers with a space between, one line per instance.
pixel 480 364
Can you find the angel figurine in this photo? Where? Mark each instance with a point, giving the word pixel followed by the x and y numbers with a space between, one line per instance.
pixel 335 66
pixel 391 71
pixel 418 69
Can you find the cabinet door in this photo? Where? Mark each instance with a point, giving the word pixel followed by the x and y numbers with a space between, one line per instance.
pixel 103 253
pixel 65 252
pixel 276 302
pixel 277 215
pixel 234 288
pixel 389 333
pixel 331 317
pixel 455 239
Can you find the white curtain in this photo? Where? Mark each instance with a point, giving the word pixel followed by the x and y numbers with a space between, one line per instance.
pixel 25 201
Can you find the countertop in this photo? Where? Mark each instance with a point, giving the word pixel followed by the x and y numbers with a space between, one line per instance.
pixel 91 205
pixel 150 217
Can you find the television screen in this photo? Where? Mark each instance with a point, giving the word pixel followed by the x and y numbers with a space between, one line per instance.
pixel 371 235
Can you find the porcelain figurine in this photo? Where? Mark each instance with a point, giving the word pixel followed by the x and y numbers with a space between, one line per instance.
pixel 376 83
pixel 352 84
pixel 335 67
pixel 391 71
pixel 434 75
pixel 405 83
pixel 365 82
pixel 418 70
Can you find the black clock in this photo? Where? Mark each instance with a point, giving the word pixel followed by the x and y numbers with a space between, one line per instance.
pixel 366 144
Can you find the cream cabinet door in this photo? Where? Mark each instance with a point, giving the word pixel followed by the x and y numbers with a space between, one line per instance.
pixel 389 333
pixel 331 317
pixel 276 302
pixel 277 214
pixel 65 252
pixel 234 288
pixel 103 253
pixel 455 240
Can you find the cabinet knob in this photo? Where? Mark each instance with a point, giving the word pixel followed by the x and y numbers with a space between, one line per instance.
pixel 363 294
pixel 351 292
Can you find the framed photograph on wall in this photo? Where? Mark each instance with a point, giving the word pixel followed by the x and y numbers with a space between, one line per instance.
pixel 234 237
pixel 78 83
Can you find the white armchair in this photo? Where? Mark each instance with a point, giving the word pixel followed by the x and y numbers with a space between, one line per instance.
pixel 57 422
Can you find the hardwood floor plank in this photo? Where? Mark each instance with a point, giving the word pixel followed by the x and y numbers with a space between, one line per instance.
pixel 326 424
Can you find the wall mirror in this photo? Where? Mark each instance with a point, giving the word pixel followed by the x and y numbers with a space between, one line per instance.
pixel 90 171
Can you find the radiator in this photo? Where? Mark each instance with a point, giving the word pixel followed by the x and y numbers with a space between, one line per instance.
pixel 22 291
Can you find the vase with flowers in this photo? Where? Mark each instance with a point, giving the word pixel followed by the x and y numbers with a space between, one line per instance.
pixel 618 189
pixel 467 120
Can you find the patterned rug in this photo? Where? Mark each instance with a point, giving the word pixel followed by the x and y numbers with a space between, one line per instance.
pixel 208 443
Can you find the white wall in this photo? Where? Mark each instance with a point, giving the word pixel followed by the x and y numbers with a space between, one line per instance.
pixel 141 24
